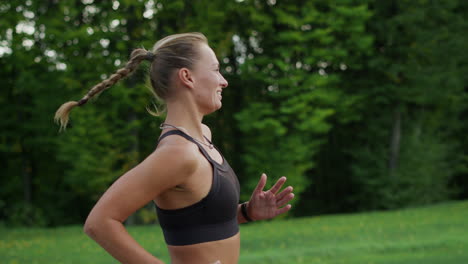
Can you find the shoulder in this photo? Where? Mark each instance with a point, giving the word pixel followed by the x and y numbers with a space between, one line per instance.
pixel 177 154
pixel 206 131
pixel 169 165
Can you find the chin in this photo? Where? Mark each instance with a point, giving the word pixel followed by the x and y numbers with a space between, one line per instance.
pixel 214 109
pixel 209 107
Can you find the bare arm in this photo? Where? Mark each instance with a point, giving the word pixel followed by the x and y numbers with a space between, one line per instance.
pixel 132 191
pixel 240 217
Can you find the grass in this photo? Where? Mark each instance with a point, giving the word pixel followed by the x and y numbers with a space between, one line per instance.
pixel 429 235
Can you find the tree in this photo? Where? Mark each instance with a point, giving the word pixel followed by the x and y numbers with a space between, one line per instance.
pixel 293 58
pixel 406 149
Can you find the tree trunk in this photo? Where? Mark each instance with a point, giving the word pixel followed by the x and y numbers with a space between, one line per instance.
pixel 26 168
pixel 395 141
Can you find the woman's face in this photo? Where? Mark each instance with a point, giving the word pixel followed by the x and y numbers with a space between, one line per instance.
pixel 208 81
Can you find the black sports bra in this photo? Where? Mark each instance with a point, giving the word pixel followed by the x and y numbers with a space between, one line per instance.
pixel 212 218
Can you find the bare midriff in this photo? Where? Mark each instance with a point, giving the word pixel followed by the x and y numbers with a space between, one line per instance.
pixel 224 251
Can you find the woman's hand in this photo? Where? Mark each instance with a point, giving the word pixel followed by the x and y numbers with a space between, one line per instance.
pixel 269 204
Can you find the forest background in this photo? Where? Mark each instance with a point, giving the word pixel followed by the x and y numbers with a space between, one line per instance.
pixel 361 104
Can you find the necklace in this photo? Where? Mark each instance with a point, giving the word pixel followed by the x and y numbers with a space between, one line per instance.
pixel 165 125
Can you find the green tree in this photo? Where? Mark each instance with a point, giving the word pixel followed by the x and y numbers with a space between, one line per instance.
pixel 361 104
pixel 407 152
pixel 293 57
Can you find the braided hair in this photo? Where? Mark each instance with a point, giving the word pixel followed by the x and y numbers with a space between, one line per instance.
pixel 168 54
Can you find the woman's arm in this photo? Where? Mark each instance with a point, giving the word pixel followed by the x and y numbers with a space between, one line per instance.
pixel 132 191
pixel 240 217
pixel 266 204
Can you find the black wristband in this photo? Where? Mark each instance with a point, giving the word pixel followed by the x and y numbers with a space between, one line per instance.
pixel 244 212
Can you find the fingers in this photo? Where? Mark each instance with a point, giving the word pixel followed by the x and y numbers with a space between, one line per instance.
pixel 283 210
pixel 284 196
pixel 284 192
pixel 261 183
pixel 278 185
pixel 286 199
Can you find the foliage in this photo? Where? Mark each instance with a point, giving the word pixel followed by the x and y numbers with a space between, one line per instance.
pixel 361 104
pixel 413 106
pixel 25 214
pixel 294 59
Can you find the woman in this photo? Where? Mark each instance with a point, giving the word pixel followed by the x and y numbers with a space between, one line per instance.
pixel 195 190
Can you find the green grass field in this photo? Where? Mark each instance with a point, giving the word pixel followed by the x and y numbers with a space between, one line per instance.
pixel 434 234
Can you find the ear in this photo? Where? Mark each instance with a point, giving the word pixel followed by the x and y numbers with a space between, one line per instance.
pixel 185 77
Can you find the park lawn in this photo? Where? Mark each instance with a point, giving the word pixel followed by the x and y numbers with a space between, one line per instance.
pixel 429 235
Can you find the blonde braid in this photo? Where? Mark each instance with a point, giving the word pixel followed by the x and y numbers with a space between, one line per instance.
pixel 137 56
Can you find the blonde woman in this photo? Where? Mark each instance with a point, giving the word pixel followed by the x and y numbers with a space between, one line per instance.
pixel 195 190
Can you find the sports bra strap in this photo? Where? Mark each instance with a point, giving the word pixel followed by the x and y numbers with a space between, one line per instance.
pixel 181 133
pixel 176 132
pixel 209 141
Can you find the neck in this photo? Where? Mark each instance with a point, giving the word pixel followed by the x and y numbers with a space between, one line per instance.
pixel 184 114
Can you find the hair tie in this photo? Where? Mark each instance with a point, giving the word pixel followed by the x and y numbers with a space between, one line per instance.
pixel 82 102
pixel 150 56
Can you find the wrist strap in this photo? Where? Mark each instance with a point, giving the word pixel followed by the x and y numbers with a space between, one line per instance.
pixel 244 212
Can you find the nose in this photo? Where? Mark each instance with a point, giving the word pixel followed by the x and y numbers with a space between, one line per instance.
pixel 224 82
